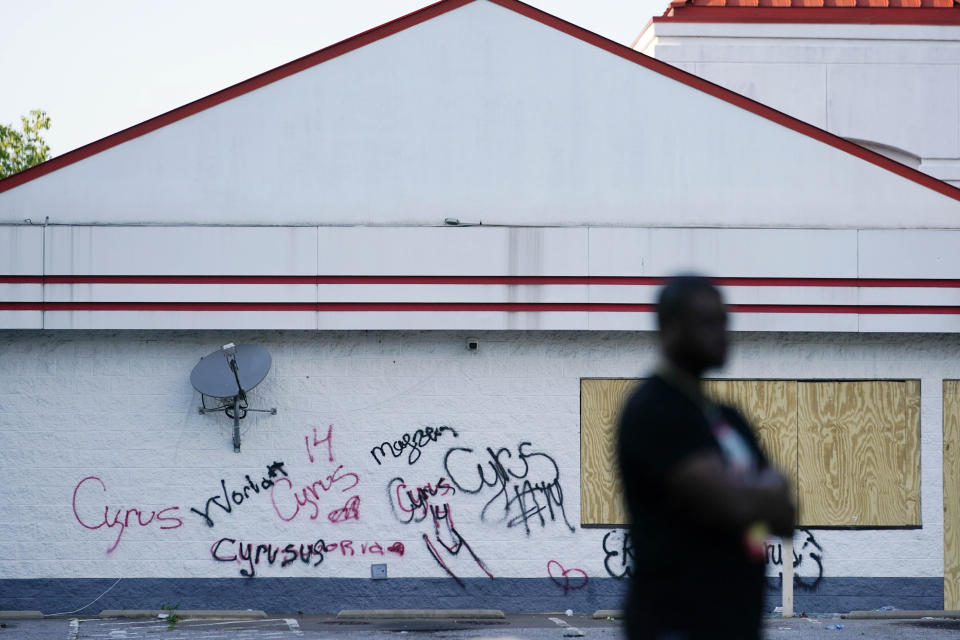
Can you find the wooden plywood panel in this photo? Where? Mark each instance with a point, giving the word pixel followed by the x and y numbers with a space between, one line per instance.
pixel 854 451
pixel 771 408
pixel 951 494
pixel 601 493
pixel 910 460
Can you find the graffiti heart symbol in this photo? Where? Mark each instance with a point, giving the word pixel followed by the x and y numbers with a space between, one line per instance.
pixel 567 579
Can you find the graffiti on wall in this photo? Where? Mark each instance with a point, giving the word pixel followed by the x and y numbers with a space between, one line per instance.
pixel 411 442
pixel 163 519
pixel 412 504
pixel 288 502
pixel 618 553
pixel 238 493
pixel 807 561
pixel 328 440
pixel 526 486
pixel 618 557
pixel 516 486
pixel 249 555
pixel 567 579
pixel 444 542
pixel 450 542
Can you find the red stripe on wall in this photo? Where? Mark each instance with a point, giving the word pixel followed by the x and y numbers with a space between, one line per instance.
pixel 478 280
pixel 461 306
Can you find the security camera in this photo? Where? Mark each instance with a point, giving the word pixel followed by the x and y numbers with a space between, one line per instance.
pixel 472 344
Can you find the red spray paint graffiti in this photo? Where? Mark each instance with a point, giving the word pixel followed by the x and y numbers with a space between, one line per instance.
pixel 568 579
pixel 162 516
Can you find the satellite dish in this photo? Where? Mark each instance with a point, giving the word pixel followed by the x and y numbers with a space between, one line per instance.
pixel 227 375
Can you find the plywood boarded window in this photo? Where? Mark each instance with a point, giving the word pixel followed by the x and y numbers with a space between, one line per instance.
pixel 859 455
pixel 851 448
pixel 951 494
pixel 601 494
pixel 771 408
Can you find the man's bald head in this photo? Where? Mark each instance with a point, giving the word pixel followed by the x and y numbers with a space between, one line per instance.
pixel 693 322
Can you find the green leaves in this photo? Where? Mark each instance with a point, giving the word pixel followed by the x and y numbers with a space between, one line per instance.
pixel 22 148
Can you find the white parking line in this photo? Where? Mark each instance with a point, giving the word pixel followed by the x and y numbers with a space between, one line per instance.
pixel 294 626
pixel 568 631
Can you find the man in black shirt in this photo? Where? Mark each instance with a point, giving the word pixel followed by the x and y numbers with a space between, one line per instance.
pixel 701 496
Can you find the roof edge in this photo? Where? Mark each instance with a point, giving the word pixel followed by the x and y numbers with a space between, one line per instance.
pixel 944 17
pixel 445 6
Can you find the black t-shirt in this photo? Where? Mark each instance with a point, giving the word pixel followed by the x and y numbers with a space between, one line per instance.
pixel 682 568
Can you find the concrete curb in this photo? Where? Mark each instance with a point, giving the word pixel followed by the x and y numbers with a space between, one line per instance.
pixel 408 614
pixel 603 614
pixel 903 615
pixel 20 615
pixel 183 613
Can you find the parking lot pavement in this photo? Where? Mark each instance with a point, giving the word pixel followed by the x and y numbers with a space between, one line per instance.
pixel 819 628
pixel 514 627
pixel 273 628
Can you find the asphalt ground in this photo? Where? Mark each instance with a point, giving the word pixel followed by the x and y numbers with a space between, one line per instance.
pixel 555 626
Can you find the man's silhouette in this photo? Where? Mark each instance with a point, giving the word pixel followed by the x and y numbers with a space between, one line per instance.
pixel 701 496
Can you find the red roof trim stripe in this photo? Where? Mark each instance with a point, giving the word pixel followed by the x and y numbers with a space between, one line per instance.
pixel 812 15
pixel 947 283
pixel 445 6
pixel 465 306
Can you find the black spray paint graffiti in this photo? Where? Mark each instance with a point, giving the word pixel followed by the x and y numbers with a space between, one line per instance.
pixel 618 553
pixel 412 441
pixel 230 550
pixel 528 485
pixel 412 504
pixel 618 558
pixel 813 569
pixel 250 553
pixel 443 518
pixel 237 497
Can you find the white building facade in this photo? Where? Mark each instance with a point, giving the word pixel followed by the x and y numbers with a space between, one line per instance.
pixel 883 74
pixel 477 172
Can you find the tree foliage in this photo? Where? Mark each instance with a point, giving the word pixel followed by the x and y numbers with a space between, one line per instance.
pixel 22 148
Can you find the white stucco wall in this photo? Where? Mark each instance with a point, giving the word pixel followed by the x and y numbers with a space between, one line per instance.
pixel 118 406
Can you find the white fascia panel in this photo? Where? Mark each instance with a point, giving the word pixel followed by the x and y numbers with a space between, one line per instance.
pixel 773 253
pixel 20 292
pixel 909 254
pixel 21 250
pixel 452 251
pixel 840 322
pixel 910 323
pixel 182 250
pixel 135 293
pixel 647 294
pixel 454 320
pixel 20 319
pixel 177 320
pixel 478 114
pixel 622 321
pixel 913 296
pixel 447 293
